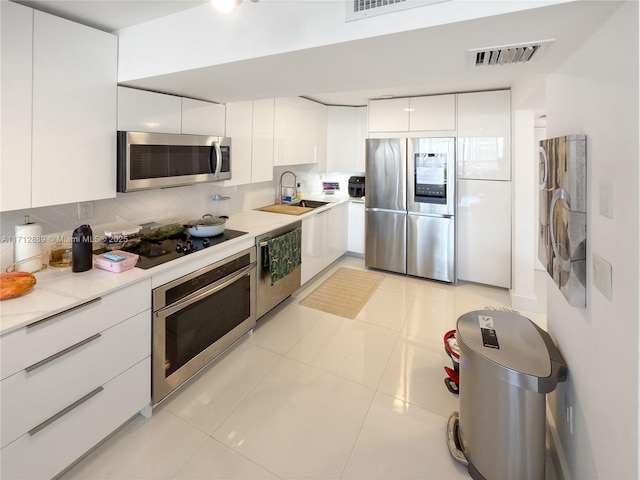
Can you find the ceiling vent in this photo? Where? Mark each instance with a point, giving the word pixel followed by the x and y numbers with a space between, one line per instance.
pixel 359 9
pixel 506 54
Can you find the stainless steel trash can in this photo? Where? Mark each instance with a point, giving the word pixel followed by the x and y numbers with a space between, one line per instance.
pixel 507 366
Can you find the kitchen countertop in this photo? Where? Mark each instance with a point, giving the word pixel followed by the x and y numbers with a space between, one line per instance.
pixel 58 290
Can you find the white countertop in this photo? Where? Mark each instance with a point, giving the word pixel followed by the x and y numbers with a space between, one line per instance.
pixel 58 290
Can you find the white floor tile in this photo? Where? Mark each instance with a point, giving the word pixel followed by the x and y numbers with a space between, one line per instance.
pixel 280 329
pixel 386 309
pixel 154 448
pixel 416 375
pixel 351 349
pixel 207 400
pixel 430 317
pixel 400 284
pixel 215 461
pixel 299 423
pixel 401 441
pixel 310 395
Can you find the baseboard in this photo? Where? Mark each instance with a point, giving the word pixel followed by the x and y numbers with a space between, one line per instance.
pixel 555 449
pixel 520 302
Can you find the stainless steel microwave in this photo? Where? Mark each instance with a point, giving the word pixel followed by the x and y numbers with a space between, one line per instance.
pixel 161 160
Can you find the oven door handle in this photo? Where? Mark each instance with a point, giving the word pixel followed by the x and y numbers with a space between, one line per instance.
pixel 216 287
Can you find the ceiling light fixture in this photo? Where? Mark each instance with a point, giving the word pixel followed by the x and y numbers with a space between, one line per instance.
pixel 224 6
pixel 227 6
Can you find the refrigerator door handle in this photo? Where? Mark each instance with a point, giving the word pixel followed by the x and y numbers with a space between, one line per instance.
pixel 373 209
pixel 435 215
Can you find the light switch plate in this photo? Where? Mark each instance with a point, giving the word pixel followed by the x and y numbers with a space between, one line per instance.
pixel 606 200
pixel 602 277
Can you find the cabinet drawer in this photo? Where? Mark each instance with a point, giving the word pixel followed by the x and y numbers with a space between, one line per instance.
pixel 49 451
pixel 31 396
pixel 38 341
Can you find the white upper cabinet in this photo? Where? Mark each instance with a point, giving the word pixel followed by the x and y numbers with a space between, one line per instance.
pixel 341 138
pixel 415 114
pixel 362 132
pixel 300 132
pixel 58 109
pixel 484 135
pixel 390 115
pixel 203 118
pixel 346 133
pixel 17 85
pixel 250 126
pixel 262 144
pixel 144 111
pixel 435 112
pixel 239 128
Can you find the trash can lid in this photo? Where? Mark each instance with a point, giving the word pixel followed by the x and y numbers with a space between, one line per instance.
pixel 513 342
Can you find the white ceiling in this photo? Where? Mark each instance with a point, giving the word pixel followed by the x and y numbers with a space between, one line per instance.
pixel 426 61
pixel 111 15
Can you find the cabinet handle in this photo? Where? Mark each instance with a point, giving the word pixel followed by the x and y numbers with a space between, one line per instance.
pixel 39 364
pixel 62 413
pixel 56 315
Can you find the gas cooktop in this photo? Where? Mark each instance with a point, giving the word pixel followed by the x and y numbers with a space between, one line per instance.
pixel 156 252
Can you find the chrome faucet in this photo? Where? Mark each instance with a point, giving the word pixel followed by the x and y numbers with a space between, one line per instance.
pixel 294 186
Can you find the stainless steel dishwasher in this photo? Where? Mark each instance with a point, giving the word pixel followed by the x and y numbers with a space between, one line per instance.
pixel 270 294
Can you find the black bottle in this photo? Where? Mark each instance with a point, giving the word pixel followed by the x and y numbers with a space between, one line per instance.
pixel 81 249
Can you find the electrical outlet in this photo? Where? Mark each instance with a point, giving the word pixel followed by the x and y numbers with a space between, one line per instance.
pixel 85 210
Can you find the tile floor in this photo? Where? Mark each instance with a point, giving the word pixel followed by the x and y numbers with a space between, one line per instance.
pixel 310 395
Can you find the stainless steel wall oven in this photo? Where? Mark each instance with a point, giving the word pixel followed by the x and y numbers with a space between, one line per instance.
pixel 197 316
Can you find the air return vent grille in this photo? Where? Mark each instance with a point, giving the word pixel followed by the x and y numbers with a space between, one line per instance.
pixel 506 54
pixel 358 9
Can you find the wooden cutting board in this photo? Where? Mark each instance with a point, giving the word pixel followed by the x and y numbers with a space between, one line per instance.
pixel 288 209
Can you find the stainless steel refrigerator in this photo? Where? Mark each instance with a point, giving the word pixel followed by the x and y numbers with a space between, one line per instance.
pixel 410 206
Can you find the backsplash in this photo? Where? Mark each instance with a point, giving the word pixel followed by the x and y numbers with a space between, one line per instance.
pixel 180 203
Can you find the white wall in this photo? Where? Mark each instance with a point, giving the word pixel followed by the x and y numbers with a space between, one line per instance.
pixel 523 294
pixel 595 93
pixel 270 27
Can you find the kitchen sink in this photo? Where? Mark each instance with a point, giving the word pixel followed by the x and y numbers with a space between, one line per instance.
pixel 312 203
pixel 303 206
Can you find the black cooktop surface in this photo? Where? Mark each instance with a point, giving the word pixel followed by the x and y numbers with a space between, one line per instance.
pixel 156 252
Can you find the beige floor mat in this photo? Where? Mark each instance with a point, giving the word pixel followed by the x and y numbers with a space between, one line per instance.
pixel 344 293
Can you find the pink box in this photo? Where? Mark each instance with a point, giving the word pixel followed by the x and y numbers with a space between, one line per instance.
pixel 104 263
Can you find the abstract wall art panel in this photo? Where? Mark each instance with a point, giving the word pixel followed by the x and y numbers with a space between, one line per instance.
pixel 562 229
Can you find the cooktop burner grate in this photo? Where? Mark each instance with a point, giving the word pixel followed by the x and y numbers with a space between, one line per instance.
pixel 156 252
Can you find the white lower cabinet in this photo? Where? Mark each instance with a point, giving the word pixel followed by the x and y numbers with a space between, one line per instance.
pixel 313 234
pixel 47 452
pixel 484 232
pixel 324 240
pixel 356 227
pixel 72 379
pixel 336 233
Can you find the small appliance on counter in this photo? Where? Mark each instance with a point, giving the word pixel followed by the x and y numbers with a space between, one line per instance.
pixel 356 186
pixel 81 249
